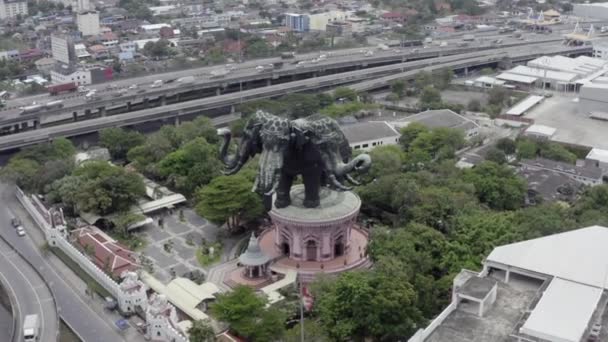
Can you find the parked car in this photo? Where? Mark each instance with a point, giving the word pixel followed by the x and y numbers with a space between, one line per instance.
pixel 15 222
pixel 20 231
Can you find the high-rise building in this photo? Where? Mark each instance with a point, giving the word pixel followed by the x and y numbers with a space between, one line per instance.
pixel 83 5
pixel 62 48
pixel 88 23
pixel 297 22
pixel 12 8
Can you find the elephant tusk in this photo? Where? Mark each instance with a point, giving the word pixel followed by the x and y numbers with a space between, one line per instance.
pixel 352 180
pixel 339 185
pixel 275 185
pixel 255 183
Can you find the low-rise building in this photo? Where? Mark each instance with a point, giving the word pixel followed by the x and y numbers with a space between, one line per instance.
pixel 599 158
pixel 109 255
pixel 540 132
pixel 81 51
pixel 586 173
pixel 99 51
pixel 367 135
pixel 551 288
pixel 45 65
pixel 66 74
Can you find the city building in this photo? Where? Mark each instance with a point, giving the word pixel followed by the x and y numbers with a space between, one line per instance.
pixel 11 55
pixel 442 118
pixel 88 23
pixel 339 29
pixel 162 321
pixel 45 65
pixel 297 22
pixel 550 289
pixel 319 21
pixel 367 135
pixel 83 5
pixel 12 8
pixel 81 51
pixel 153 28
pixel 81 75
pixel 600 49
pixel 62 49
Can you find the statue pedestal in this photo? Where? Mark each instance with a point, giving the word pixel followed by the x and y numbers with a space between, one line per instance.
pixel 312 240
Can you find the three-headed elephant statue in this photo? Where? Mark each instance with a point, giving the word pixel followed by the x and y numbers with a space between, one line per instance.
pixel 313 147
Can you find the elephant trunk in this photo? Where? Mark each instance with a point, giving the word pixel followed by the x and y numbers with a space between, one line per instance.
pixel 360 163
pixel 229 161
pixel 271 162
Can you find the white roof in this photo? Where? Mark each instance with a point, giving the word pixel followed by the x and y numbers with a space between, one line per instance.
pixel 563 312
pixel 153 27
pixel 598 154
pixel 580 66
pixel 541 130
pixel 578 255
pixel 543 73
pixel 489 80
pixel 516 78
pixel 524 105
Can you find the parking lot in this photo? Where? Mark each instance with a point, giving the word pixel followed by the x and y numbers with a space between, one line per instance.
pixel 561 112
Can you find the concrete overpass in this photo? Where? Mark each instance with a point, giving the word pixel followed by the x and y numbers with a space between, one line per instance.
pixel 76 107
pixel 175 111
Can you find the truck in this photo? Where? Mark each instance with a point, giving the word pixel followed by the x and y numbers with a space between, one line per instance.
pixel 217 73
pixel 468 37
pixel 54 104
pixel 156 84
pixel 55 89
pixel 288 55
pixel 186 79
pixel 31 328
pixel 277 65
pixel 31 109
pixel 91 95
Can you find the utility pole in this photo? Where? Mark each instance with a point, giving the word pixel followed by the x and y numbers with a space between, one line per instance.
pixel 301 310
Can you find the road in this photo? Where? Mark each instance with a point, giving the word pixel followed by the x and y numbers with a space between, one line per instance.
pixel 248 68
pixel 85 322
pixel 31 294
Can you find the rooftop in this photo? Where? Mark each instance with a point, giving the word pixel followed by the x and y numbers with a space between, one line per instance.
pixel 442 118
pixel 253 256
pixel 541 130
pixel 366 131
pixel 588 170
pixel 598 154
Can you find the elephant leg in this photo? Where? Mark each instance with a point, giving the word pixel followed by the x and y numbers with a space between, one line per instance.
pixel 285 182
pixel 312 185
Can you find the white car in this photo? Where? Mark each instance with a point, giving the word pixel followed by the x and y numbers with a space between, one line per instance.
pixel 133 86
pixel 20 231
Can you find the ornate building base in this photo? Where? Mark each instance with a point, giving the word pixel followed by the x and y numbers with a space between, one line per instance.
pixel 318 240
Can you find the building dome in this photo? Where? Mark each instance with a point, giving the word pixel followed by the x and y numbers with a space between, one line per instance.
pixel 253 256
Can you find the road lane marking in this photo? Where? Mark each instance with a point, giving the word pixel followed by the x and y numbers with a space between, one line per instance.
pixel 19 312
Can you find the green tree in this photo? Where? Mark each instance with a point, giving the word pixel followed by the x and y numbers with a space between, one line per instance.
pixel 506 145
pixel 388 159
pixel 409 133
pixel 429 97
pixel 380 304
pixel 119 141
pixel 201 331
pixel 247 315
pixel 313 332
pixel 398 88
pixel 496 155
pixel 474 105
pixel 257 48
pixel 193 165
pixel 422 80
pixel 497 186
pixel 526 149
pixel 498 96
pixel 301 105
pixel 556 151
pixel 345 93
pixel 443 78
pixel 228 199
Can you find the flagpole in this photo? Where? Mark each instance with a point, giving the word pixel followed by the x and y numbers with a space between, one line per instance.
pixel 301 310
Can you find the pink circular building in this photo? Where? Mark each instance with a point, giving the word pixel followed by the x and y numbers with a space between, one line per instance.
pixel 312 240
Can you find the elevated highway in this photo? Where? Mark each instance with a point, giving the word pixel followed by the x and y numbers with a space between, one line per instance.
pixel 246 77
pixel 177 110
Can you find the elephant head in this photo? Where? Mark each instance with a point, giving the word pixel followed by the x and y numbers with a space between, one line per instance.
pixel 334 149
pixel 266 134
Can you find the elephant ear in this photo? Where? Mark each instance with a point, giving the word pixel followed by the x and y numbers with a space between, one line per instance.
pixel 325 131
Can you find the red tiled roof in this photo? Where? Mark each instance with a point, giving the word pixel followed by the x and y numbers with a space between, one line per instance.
pixel 108 253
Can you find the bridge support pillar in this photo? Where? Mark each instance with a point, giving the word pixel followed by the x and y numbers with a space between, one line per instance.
pixel 163 100
pixel 145 102
pixel 268 82
pixel 75 116
pixel 36 123
pixel 232 109
pixel 87 112
pixel 128 106
pixel 102 111
pixel 24 125
pixel 16 128
pixel 218 91
pixel 177 97
pixel 466 71
pixel 176 121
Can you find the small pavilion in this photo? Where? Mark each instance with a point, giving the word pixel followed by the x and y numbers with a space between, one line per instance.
pixel 254 261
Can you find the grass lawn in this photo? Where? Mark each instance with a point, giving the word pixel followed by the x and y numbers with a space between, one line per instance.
pixel 203 257
pixel 82 274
